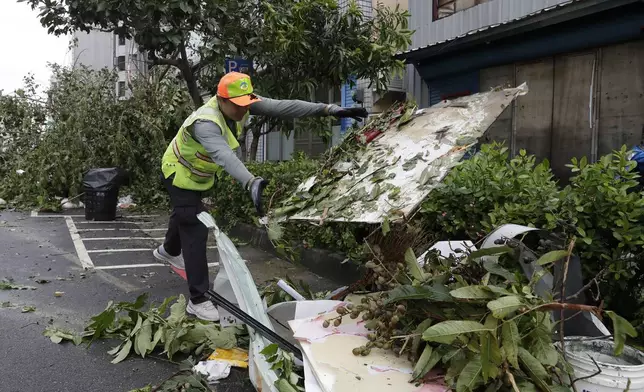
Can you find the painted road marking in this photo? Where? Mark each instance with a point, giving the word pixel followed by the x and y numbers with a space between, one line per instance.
pixel 123 238
pixel 114 222
pixel 81 251
pixel 121 229
pixel 106 251
pixel 36 214
pixel 125 266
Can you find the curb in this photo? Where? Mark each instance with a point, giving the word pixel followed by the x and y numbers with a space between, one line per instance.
pixel 325 263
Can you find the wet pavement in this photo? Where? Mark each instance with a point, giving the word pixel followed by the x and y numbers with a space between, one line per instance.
pixel 93 263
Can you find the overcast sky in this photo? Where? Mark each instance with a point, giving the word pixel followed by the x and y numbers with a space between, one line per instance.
pixel 26 46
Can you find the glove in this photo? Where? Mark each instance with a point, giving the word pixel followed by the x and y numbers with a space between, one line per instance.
pixel 256 188
pixel 355 113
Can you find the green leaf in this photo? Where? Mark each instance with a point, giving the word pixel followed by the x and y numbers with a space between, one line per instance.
pixel 551 257
pixel 28 309
pixel 510 338
pixel 177 311
pixel 269 350
pixel 537 276
pixel 434 293
pixel 385 226
pixel 526 386
pixel 274 231
pixel 415 342
pixel 139 322
pixel 143 339
pixel 471 376
pixel 621 328
pixel 412 265
pixel 473 292
pixel 494 268
pixel 221 338
pixel 491 357
pixel 543 349
pixel 505 305
pixel 164 306
pixel 495 250
pixel 101 322
pixel 447 331
pixel 125 351
pixel 58 335
pixel 428 359
pixel 533 368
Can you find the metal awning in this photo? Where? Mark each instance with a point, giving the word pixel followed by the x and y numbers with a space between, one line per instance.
pixel 560 13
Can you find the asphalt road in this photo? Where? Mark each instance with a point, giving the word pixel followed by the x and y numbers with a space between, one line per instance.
pixel 122 267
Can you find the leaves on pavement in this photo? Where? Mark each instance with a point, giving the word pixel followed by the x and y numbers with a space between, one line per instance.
pixel 144 331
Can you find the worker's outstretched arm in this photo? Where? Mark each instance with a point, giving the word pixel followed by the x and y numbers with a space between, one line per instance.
pixel 294 108
pixel 211 138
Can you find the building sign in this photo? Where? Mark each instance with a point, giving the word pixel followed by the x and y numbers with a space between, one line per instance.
pixel 239 65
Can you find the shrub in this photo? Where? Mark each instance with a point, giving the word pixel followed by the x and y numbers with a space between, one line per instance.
pixel 489 190
pixel 88 127
pixel 601 207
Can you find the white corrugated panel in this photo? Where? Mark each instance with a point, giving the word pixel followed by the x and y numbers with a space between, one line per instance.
pixel 487 14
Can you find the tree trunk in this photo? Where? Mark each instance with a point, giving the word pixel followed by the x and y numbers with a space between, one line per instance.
pixel 189 77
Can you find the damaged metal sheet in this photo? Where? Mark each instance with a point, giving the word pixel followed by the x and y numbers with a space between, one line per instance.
pixel 397 170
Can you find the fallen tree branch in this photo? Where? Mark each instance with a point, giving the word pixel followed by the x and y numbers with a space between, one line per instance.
pixel 587 286
pixel 562 298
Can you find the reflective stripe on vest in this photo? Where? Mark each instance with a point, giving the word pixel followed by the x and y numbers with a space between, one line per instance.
pixel 187 164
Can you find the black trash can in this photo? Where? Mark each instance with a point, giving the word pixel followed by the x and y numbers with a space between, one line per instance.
pixel 101 187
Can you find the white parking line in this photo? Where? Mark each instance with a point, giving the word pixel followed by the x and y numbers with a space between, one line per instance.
pixel 123 238
pixel 36 214
pixel 125 266
pixel 114 222
pixel 81 251
pixel 107 251
pixel 120 229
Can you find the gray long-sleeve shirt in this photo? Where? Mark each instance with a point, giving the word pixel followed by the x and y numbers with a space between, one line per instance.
pixel 210 136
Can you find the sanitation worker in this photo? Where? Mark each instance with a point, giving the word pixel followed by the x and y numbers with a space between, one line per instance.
pixel 203 148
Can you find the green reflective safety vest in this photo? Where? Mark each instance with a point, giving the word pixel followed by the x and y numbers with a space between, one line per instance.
pixel 186 158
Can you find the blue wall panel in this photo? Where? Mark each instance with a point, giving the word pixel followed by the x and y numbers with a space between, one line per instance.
pixel 448 88
pixel 347 101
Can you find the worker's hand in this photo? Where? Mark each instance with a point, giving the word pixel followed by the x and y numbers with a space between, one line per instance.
pixel 256 188
pixel 355 113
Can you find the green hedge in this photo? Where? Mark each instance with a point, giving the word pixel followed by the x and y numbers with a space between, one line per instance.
pixel 599 207
pixel 231 204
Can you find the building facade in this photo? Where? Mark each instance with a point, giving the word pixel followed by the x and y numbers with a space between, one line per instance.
pixel 582 60
pixel 98 50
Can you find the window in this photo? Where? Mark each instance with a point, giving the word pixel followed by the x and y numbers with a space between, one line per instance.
pixel 121 63
pixel 121 39
pixel 121 89
pixel 444 8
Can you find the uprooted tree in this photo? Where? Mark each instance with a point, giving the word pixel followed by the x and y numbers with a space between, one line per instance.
pixel 296 45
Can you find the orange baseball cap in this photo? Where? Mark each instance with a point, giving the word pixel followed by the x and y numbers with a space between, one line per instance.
pixel 237 87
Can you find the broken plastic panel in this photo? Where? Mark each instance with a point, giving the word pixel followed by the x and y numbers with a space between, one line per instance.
pixel 241 281
pixel 396 172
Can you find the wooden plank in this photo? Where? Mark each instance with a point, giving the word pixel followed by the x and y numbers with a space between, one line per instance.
pixel 490 78
pixel 534 110
pixel 621 110
pixel 572 133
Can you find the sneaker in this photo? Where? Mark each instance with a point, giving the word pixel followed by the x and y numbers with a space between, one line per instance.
pixel 205 311
pixel 163 256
